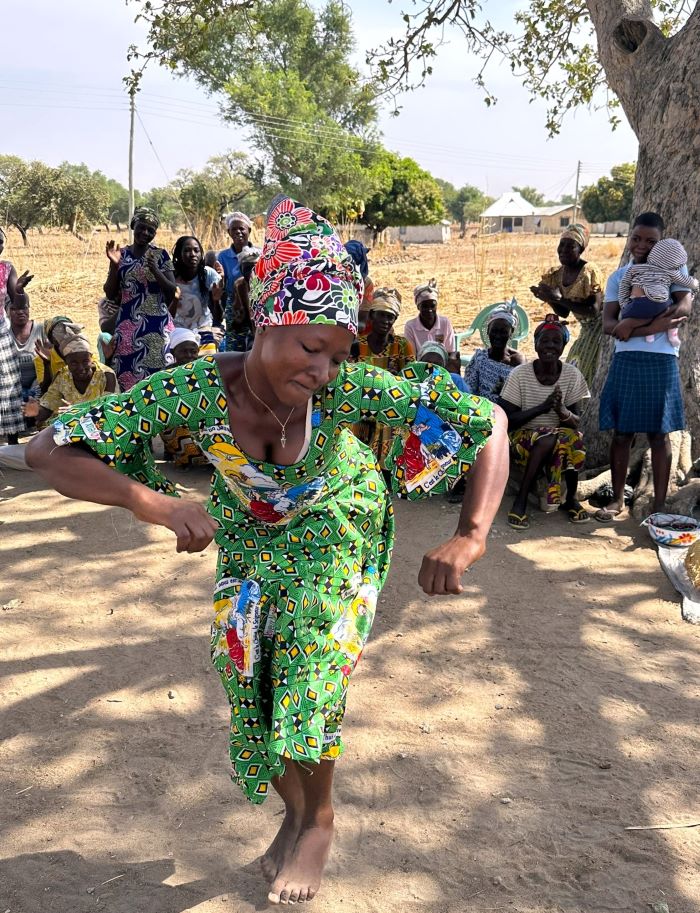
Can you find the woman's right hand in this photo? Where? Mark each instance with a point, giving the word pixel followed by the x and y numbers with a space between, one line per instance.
pixel 189 521
pixel 553 401
pixel 43 350
pixel 114 254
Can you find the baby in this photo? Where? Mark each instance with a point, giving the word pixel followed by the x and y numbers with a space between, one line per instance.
pixel 645 289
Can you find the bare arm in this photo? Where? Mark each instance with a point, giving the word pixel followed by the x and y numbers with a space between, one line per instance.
pixel 518 417
pixel 672 317
pixel 443 566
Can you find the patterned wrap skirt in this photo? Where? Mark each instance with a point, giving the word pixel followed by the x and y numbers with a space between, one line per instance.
pixel 568 453
pixel 642 395
pixel 11 417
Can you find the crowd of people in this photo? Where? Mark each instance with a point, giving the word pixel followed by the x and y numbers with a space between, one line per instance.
pixel 280 370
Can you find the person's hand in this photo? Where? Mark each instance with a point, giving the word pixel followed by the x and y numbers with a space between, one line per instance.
pixel 219 268
pixel 670 323
pixel 109 347
pixel 217 291
pixel 624 329
pixel 114 254
pixel 553 401
pixel 546 293
pixel 43 349
pixel 31 408
pixel 23 281
pixel 189 521
pixel 442 568
pixel 151 260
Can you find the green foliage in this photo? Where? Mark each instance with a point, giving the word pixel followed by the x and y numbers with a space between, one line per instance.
pixel 610 199
pixel 81 197
pixel 475 201
pixel 408 195
pixel 531 194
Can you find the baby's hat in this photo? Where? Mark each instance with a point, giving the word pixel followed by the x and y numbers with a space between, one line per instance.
pixel 668 254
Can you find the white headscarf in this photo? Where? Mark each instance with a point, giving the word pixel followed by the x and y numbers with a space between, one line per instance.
pixel 238 217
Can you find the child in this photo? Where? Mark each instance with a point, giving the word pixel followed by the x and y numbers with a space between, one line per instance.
pixel 645 287
pixel 178 445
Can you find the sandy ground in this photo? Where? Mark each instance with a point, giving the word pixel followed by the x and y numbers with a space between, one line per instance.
pixel 498 743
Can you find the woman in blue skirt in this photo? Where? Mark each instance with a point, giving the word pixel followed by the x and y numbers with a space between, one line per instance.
pixel 642 394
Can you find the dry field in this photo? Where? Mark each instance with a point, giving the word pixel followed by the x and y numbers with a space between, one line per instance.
pixel 471 273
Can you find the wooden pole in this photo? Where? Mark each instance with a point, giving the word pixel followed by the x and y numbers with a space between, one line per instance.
pixel 132 111
pixel 578 178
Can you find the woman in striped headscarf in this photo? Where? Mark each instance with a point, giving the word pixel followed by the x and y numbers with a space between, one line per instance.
pixel 576 287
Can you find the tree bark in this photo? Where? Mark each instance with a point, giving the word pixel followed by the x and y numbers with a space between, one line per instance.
pixel 657 80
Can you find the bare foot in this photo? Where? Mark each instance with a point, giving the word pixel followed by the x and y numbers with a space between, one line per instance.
pixel 300 877
pixel 279 851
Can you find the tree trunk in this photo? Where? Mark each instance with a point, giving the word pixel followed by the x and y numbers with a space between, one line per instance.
pixel 657 80
pixel 23 231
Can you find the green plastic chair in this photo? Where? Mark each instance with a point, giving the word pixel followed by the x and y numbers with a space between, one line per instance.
pixel 479 324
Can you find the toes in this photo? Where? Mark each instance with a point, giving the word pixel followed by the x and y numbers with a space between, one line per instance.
pixel 273 897
pixel 294 895
pixel 303 895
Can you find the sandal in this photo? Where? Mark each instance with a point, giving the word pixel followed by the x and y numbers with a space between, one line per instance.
pixel 576 514
pixel 605 515
pixel 518 521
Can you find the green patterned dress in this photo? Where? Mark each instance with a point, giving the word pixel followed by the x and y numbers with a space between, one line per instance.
pixel 303 549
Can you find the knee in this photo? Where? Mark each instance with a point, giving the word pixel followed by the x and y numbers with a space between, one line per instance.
pixel 658 441
pixel 622 440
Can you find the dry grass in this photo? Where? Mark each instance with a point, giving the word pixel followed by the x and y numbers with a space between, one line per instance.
pixel 474 272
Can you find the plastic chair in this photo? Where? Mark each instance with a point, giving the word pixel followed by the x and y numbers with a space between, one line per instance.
pixel 479 324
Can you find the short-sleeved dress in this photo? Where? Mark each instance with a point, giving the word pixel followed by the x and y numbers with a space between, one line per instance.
pixel 144 323
pixel 303 549
pixel 11 417
pixel 484 376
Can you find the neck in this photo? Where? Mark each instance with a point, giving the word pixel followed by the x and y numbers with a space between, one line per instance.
pixel 258 385
pixel 376 340
pixel 497 352
pixel 428 322
pixel 550 369
pixel 187 272
pixel 139 249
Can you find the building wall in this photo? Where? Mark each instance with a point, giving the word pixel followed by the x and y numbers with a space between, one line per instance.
pixel 419 234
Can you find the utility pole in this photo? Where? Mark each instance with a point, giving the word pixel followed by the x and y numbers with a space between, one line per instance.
pixel 578 178
pixel 132 111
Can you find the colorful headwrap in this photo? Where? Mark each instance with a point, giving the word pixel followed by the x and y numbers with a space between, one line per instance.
pixel 358 252
pixel 304 274
pixel 386 299
pixel 504 312
pixel 145 214
pixel 578 233
pixel 552 322
pixel 433 348
pixel 238 217
pixel 427 292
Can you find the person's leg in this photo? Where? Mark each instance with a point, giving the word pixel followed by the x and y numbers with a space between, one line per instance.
pixel 300 876
pixel 619 464
pixel 660 468
pixel 540 453
pixel 290 790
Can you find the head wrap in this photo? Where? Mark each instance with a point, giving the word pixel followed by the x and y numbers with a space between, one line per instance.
pixel 249 255
pixel 578 233
pixel 504 312
pixel 145 214
pixel 180 335
pixel 304 274
pixel 73 344
pixel 427 292
pixel 238 217
pixel 386 299
pixel 552 322
pixel 60 329
pixel 358 252
pixel 434 348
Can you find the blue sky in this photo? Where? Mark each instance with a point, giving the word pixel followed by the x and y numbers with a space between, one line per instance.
pixel 61 98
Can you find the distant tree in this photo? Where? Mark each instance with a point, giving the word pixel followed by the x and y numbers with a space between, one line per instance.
pixel 27 194
pixel 474 202
pixel 118 205
pixel 81 197
pixel 165 202
pixel 408 195
pixel 531 194
pixel 610 198
pixel 567 199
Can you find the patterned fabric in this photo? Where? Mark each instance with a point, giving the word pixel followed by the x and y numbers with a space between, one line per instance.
pixel 143 322
pixel 304 274
pixel 642 394
pixel 662 269
pixel 63 391
pixel 303 549
pixel 146 215
pixel 579 233
pixel 238 340
pixel 568 453
pixel 394 357
pixel 484 376
pixel 11 418
pixel 181 449
pixel 5 270
pixel 551 322
pixel 585 352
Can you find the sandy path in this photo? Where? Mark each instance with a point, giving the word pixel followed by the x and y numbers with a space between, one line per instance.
pixel 562 680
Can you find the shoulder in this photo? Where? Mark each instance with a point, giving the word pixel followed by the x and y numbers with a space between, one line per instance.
pixel 103 369
pixel 211 276
pixel 552 275
pixel 446 322
pixel 410 324
pixel 569 373
pixel 612 287
pixel 163 255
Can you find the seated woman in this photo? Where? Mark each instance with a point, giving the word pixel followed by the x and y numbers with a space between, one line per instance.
pixel 434 353
pixel 543 401
pixel 429 326
pixel 178 444
pixel 80 381
pixel 575 287
pixel 383 349
pixel 489 368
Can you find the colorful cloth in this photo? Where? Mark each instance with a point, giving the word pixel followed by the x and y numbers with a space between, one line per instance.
pixel 442 331
pixel 579 233
pixel 642 394
pixel 63 391
pixel 486 377
pixel 144 321
pixel 11 417
pixel 238 340
pixel 387 300
pixel 303 549
pixel 568 453
pixel 585 352
pixel 146 215
pixel 394 357
pixel 304 274
pixel 180 448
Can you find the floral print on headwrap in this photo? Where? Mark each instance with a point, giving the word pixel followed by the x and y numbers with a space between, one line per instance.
pixel 578 233
pixel 304 274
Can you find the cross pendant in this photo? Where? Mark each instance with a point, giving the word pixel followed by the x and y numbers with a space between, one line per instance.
pixel 283 439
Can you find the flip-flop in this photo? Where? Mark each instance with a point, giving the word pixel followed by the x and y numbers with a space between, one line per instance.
pixel 576 514
pixel 518 521
pixel 606 516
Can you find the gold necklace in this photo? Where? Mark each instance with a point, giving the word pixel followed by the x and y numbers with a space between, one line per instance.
pixel 283 425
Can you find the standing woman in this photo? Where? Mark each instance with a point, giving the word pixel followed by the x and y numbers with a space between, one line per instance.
pixel 238 226
pixel 384 349
pixel 301 516
pixel 642 394
pixel 239 326
pixel 198 306
pixel 11 290
pixel 575 287
pixel 141 279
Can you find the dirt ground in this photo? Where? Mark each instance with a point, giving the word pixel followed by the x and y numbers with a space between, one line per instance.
pixel 498 743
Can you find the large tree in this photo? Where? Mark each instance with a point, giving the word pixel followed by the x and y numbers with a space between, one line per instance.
pixel 610 198
pixel 407 195
pixel 645 54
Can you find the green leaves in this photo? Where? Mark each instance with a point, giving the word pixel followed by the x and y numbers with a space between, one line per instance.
pixel 407 195
pixel 610 199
